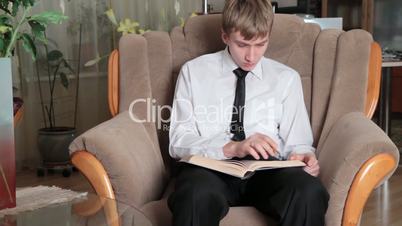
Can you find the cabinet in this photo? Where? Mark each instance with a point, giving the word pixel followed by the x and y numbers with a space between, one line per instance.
pixel 396 94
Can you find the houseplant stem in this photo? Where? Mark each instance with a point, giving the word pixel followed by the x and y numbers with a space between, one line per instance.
pixel 52 95
pixel 78 78
pixel 49 111
pixel 40 92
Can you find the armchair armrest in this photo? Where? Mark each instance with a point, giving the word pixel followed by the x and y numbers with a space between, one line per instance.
pixel 356 157
pixel 126 153
pixel 96 211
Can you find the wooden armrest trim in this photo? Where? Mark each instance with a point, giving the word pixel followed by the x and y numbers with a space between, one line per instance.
pixel 113 82
pixel 370 175
pixel 94 171
pixel 374 79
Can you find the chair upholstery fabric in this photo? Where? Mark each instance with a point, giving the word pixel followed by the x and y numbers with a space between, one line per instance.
pixel 130 157
pixel 352 140
pixel 333 66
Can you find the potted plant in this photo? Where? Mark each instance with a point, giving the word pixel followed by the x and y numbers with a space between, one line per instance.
pixel 17 24
pixel 53 138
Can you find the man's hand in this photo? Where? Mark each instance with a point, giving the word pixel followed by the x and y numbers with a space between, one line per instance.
pixel 256 145
pixel 311 161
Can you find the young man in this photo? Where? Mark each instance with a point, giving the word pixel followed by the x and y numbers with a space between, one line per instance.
pixel 237 103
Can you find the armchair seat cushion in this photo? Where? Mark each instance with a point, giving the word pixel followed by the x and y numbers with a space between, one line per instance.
pixel 159 214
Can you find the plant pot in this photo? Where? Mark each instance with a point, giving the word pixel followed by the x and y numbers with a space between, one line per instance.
pixel 7 152
pixel 53 145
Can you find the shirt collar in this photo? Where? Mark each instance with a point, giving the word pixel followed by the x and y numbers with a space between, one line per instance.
pixel 229 65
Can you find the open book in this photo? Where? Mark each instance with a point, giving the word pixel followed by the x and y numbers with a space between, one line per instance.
pixel 239 168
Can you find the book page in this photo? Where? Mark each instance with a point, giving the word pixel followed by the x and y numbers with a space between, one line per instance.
pixel 256 165
pixel 231 167
pixel 239 168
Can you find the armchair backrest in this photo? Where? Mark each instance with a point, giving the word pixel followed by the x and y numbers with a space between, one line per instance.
pixel 333 66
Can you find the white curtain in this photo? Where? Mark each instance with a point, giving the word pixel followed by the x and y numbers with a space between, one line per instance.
pixel 156 14
pixel 96 40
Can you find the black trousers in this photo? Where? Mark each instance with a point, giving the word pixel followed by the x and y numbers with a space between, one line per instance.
pixel 202 197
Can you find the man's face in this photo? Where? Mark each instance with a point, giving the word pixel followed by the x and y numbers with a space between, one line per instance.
pixel 245 53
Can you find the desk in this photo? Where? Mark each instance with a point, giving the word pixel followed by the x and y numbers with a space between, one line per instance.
pixel 385 102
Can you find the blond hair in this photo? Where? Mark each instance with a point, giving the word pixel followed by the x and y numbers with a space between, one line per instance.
pixel 253 18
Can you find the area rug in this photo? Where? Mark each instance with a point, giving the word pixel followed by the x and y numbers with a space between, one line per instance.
pixel 30 198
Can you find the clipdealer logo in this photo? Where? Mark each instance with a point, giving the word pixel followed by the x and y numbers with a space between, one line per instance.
pixel 154 112
pixel 187 112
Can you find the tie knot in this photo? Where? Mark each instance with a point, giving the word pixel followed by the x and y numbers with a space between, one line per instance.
pixel 240 73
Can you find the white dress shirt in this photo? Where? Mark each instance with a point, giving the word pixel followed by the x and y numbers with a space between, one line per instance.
pixel 203 105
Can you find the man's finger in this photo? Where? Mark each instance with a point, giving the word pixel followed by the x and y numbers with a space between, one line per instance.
pixel 309 170
pixel 270 141
pixel 316 168
pixel 261 150
pixel 268 148
pixel 311 161
pixel 253 153
pixel 296 157
pixel 314 171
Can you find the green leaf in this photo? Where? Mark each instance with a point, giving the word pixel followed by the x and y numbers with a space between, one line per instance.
pixel 67 65
pixel 181 22
pixel 16 5
pixel 28 45
pixel 110 15
pixel 38 30
pixel 64 80
pixel 95 61
pixel 1 46
pixel 54 55
pixel 46 18
pixel 27 3
pixel 128 26
pixel 92 62
pixel 4 19
pixel 4 29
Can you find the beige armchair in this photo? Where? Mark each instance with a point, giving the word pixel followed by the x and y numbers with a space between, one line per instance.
pixel 340 71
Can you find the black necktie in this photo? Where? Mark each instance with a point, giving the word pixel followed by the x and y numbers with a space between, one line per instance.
pixel 236 126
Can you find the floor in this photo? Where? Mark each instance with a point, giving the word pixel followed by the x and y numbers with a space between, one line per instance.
pixel 75 182
pixel 382 209
pixel 384 205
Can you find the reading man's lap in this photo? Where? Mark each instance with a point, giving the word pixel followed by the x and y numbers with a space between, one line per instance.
pixel 281 193
pixel 199 178
pixel 198 183
pixel 275 179
pixel 271 191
